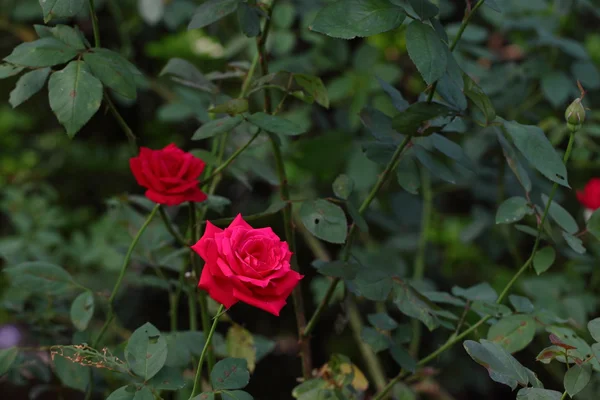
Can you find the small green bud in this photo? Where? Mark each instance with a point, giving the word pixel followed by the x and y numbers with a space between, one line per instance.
pixel 575 115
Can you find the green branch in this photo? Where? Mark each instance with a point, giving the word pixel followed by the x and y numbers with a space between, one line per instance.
pixel 390 167
pixel 198 379
pixel 455 339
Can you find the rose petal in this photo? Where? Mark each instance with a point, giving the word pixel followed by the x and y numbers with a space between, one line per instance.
pixel 239 222
pixel 271 305
pixel 219 290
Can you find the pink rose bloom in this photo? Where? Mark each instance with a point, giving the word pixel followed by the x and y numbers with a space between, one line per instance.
pixel 246 264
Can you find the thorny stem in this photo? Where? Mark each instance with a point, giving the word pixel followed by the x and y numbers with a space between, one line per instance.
pixel 346 252
pixel 455 339
pixel 305 354
pixel 168 224
pixel 198 380
pixel 202 295
pixel 419 268
pixel 459 34
pixel 124 266
pixel 111 312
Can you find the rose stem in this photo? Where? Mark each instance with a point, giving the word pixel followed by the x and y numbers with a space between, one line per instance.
pixel 373 365
pixel 287 210
pixel 111 312
pixel 198 380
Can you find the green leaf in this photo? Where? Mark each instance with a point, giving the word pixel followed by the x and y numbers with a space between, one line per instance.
pixel 343 186
pixel 146 351
pixel 230 373
pixel 212 11
pixel 410 120
pixel 407 174
pixel 249 19
pixel 44 52
pixel 513 332
pixel 184 72
pixel 357 218
pixel 427 51
pixel 347 19
pixel 537 149
pixel 8 70
pixel 60 8
pixel 205 396
pixel 382 321
pixel 236 395
pixel 561 216
pixel 75 96
pixel 40 277
pixel 513 162
pixel 452 150
pixel 482 291
pixel 577 378
pixel 424 9
pixel 337 269
pixel 556 87
pixel 574 243
pixel 275 124
pixel 216 127
pixel 409 303
pixel 123 393
pixel 492 309
pixel 512 210
pixel 543 259
pixel 70 36
pixel 479 99
pixel 231 107
pixel 113 70
pixel 144 393
pixel 167 379
pixel 377 340
pixel 436 167
pixel 594 328
pixel 240 344
pixel 397 99
pixel 28 85
pixel 403 358
pixel 7 358
pixel 380 125
pixel 82 310
pixel 521 304
pixel 310 389
pixel 151 11
pixel 538 393
pixel 501 366
pixel 593 224
pixel 71 374
pixel 325 220
pixel 313 85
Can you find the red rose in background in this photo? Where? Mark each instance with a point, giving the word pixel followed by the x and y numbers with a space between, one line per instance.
pixel 246 264
pixel 170 175
pixel 590 195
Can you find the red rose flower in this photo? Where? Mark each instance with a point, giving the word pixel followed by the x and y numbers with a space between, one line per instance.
pixel 590 195
pixel 246 264
pixel 170 175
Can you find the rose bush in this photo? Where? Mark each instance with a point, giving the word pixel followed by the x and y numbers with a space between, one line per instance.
pixel 246 264
pixel 170 175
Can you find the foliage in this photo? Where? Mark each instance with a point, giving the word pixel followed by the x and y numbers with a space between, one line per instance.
pixel 420 158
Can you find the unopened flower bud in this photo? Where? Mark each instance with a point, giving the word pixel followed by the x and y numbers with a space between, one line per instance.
pixel 575 115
